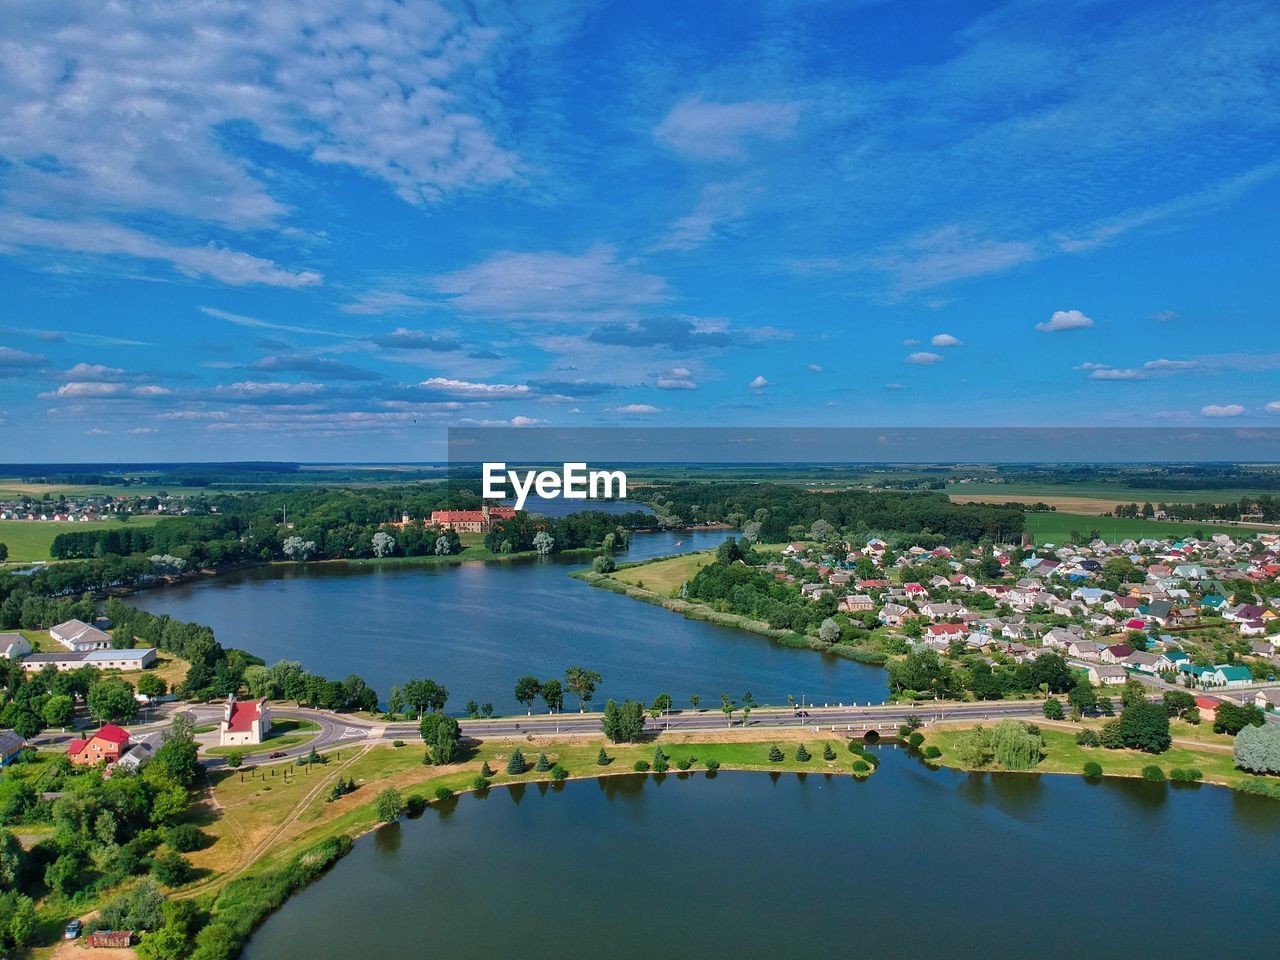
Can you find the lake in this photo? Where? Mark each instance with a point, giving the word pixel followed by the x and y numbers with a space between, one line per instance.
pixel 910 863
pixel 478 626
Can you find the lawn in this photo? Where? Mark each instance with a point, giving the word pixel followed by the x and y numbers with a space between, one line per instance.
pixel 284 733
pixel 1064 755
pixel 1057 527
pixel 30 540
pixel 665 576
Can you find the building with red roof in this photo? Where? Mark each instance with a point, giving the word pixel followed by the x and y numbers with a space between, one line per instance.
pixel 1208 707
pixel 244 722
pixel 471 521
pixel 105 746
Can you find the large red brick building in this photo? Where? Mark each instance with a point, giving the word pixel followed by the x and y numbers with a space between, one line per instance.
pixel 105 746
pixel 471 521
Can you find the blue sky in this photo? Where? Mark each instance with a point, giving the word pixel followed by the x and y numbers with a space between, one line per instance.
pixel 331 230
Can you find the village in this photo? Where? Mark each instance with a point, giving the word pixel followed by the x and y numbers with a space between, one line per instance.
pixel 1195 613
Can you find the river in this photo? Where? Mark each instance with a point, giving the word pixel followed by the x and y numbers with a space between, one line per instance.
pixel 911 863
pixel 478 626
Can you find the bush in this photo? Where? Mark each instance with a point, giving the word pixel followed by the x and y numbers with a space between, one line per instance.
pixel 870 758
pixel 235 758
pixel 603 759
pixel 916 738
pixel 1153 773
pixel 861 766
pixel 904 730
pixel 856 748
pixel 479 783
pixel 827 752
pixel 388 804
pixel 775 755
pixel 543 764
pixel 559 773
pixel 486 771
pixel 932 752
pixel 184 838
pixel 803 755
pixel 246 900
pixel 713 764
pixel 397 743
pixel 1258 787
pixel 1093 769
pixel 515 763
pixel 1088 737
pixel 640 766
pixel 684 763
pixel 415 805
pixel 442 794
pixel 171 869
pixel 1185 774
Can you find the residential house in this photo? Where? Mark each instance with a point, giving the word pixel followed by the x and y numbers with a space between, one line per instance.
pixel 1208 707
pixel 1253 628
pixel 1116 653
pixel 1228 676
pixel 10 746
pixel 137 757
pixel 1268 699
pixel 1146 662
pixel 244 722
pixel 1083 649
pixel 895 615
pixel 105 746
pixel 14 646
pixel 1107 675
pixel 78 637
pixel 856 603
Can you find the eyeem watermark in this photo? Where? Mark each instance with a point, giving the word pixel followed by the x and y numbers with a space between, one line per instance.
pixel 574 482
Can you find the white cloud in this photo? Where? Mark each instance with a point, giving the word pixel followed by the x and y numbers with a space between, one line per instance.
pixel 143 431
pixel 252 322
pixel 1107 373
pixel 1222 410
pixel 101 390
pixel 911 342
pixel 948 254
pixel 720 131
pixel 677 378
pixel 552 286
pixel 1088 365
pixel 923 356
pixel 231 267
pixel 719 205
pixel 759 383
pixel 1164 316
pixel 1163 364
pixel 815 368
pixel 945 340
pixel 1273 407
pixel 1065 320
pixel 378 302
pixel 468 388
pixel 636 409
pixel 92 371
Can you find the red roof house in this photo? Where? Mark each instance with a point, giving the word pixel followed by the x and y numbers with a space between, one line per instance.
pixel 1208 707
pixel 105 746
pixel 245 722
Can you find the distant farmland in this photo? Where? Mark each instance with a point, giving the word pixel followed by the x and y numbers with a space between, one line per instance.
pixel 29 540
pixel 1057 527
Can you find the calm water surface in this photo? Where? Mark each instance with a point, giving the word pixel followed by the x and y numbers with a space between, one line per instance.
pixel 911 863
pixel 477 626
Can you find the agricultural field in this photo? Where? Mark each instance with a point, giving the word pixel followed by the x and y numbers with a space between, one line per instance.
pixel 1057 527
pixel 1089 497
pixel 30 540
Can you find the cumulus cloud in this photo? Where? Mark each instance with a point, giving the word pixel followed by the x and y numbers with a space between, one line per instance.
pixel 1172 365
pixel 471 389
pixel 759 383
pixel 637 409
pixel 1108 373
pixel 677 378
pixel 815 368
pixel 923 356
pixel 1065 320
pixel 1222 410
pixel 704 130
pixel 92 371
pixel 674 333
pixel 1273 407
pixel 403 339
pixel 945 340
pixel 911 342
pixel 322 368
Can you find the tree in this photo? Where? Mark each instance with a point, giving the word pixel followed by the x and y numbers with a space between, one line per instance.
pixel 829 632
pixel 1257 748
pixel 387 805
pixel 384 545
pixel 58 710
pixel 694 700
pixel 151 686
pixel 1052 671
pixel 727 707
pixel 662 702
pixel 552 695
pixel 4 552
pixel 604 564
pixel 973 747
pixel 111 701
pixel 821 530
pixel 1016 745
pixel 543 542
pixel 751 531
pixel 235 758
pixel 445 740
pixel 527 690
pixel 295 548
pixel 583 683
pixel 625 723
pixel 1178 702
pixel 171 869
pixel 1083 697
pixel 515 763
pixel 1053 709
pixel 1144 726
pixel 176 759
pixel 1231 718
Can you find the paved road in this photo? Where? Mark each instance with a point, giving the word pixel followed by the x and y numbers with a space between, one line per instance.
pixel 338 731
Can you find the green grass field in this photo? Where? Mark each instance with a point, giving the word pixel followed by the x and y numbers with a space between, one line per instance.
pixel 29 540
pixel 1101 490
pixel 1057 527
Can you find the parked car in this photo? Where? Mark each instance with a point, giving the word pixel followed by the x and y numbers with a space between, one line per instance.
pixel 276 756
pixel 73 930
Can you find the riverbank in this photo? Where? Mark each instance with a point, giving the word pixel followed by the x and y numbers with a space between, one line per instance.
pixel 698 611
pixel 1193 749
